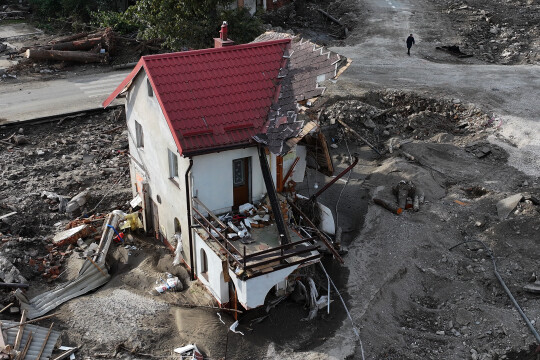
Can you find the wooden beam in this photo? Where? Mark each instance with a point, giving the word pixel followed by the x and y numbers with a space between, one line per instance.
pixel 351 130
pixel 279 173
pixel 21 324
pixel 22 354
pixel 279 258
pixel 321 236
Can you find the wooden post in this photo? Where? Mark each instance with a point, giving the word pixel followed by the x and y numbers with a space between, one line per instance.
pixel 18 338
pixel 279 173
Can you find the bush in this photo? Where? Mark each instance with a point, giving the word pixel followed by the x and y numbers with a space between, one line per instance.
pixel 119 22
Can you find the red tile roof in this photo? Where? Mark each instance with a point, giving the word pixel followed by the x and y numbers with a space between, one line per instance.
pixel 214 98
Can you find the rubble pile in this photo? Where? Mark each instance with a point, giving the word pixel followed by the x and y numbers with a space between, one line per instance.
pixel 60 172
pixel 321 21
pixel 507 33
pixel 378 116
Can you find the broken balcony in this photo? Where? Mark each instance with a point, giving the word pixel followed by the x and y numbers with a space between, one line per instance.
pixel 257 249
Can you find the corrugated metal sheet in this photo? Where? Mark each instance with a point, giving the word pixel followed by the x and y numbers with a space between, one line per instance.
pixel 89 279
pixel 38 338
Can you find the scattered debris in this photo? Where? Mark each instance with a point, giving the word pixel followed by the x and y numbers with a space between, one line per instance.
pixel 507 205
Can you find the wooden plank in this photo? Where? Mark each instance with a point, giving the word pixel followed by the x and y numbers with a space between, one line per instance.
pixel 2 341
pixel 351 130
pixel 321 236
pixel 18 338
pixel 44 342
pixel 22 354
pixel 66 354
pixel 326 152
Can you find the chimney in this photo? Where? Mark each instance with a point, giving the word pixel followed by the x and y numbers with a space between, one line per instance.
pixel 223 40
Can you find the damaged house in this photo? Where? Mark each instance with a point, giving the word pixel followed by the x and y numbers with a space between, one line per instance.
pixel 213 137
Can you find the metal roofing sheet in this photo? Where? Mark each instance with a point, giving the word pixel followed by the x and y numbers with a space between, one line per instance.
pixel 89 278
pixel 38 338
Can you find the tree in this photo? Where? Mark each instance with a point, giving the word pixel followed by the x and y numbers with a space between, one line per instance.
pixel 190 23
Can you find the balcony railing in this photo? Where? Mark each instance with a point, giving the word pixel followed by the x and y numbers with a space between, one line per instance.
pixel 252 264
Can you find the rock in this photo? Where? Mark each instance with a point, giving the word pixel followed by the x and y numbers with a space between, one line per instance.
pixel 463 317
pixel 443 138
pixel 9 273
pixel 506 206
pixel 72 235
pixel 369 124
pixel 77 201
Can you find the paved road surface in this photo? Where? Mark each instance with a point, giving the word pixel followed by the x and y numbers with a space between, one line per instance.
pixel 39 99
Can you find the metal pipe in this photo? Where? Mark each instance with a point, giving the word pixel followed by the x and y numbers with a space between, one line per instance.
pixel 506 290
pixel 316 195
pixel 190 230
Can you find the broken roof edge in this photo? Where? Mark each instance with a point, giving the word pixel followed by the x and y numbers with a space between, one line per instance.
pixel 125 84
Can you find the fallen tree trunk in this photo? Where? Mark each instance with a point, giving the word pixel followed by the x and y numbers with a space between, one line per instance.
pixel 76 45
pixel 77 56
pixel 69 38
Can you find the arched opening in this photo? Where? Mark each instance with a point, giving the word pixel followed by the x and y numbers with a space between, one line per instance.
pixel 177 228
pixel 204 264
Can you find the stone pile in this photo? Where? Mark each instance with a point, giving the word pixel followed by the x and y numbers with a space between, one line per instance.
pixel 379 116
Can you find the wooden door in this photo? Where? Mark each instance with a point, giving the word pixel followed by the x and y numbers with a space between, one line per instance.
pixel 241 181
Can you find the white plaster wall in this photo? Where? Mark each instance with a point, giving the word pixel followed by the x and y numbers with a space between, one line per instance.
pixel 154 157
pixel 215 282
pixel 213 178
pixel 252 292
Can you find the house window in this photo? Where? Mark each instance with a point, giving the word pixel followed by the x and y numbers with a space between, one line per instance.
pixel 173 165
pixel 239 176
pixel 204 264
pixel 149 87
pixel 139 135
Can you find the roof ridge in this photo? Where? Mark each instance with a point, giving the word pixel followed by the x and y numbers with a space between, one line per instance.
pixel 212 50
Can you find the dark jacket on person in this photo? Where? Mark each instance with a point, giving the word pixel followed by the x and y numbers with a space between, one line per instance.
pixel 410 41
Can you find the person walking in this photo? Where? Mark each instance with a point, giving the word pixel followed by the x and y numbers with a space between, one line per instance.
pixel 410 42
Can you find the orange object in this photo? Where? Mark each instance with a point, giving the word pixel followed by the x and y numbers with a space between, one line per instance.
pixel 461 203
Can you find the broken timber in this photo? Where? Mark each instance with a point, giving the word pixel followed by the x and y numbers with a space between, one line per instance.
pixel 321 236
pixel 352 131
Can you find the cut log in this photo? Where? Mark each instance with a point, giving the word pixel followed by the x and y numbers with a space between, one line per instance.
pixel 390 206
pixel 77 45
pixel 69 38
pixel 76 56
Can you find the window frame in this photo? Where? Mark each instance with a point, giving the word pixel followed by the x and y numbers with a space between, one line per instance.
pixel 139 135
pixel 173 164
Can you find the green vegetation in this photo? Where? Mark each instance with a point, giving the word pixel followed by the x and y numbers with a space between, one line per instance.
pixel 182 23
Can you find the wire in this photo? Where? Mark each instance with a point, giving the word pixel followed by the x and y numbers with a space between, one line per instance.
pixel 343 188
pixel 109 191
pixel 355 330
pixel 501 281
